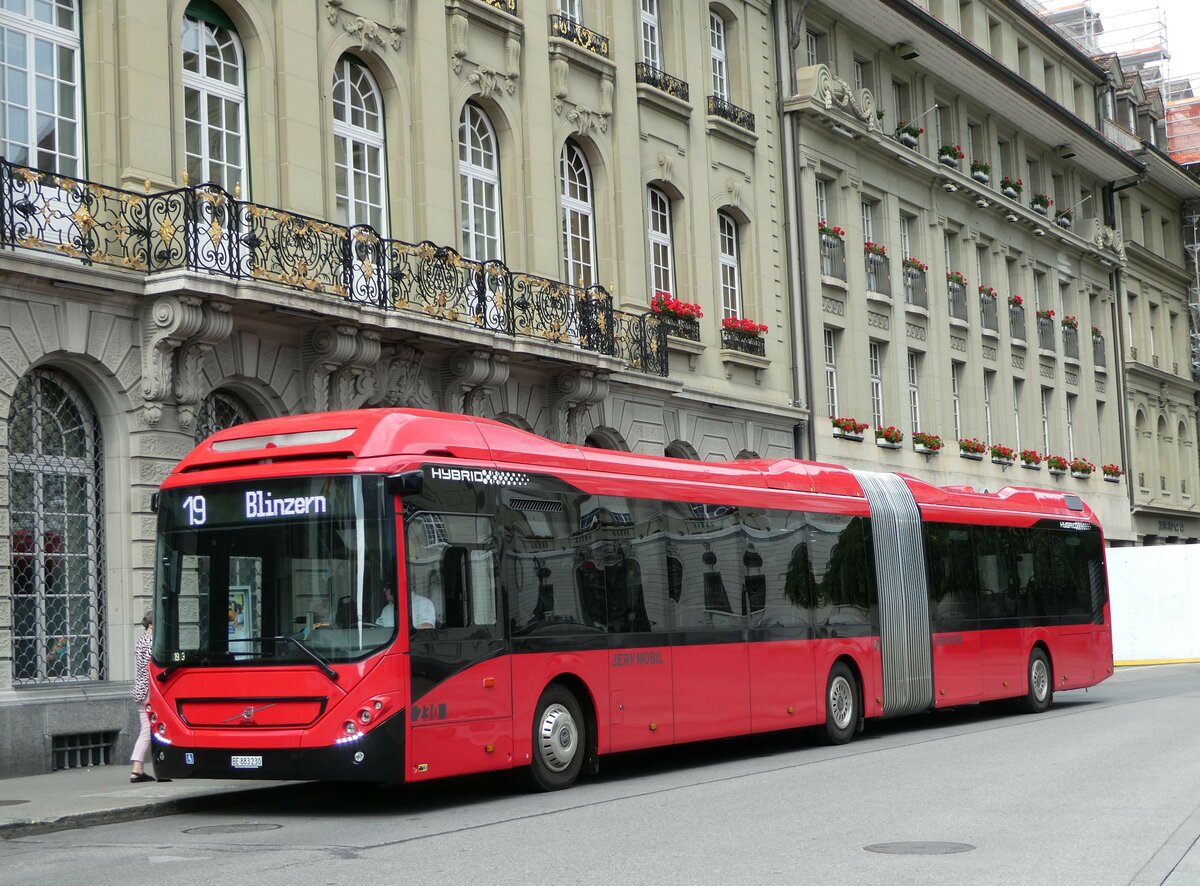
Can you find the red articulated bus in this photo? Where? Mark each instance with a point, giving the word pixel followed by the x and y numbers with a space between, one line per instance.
pixel 557 603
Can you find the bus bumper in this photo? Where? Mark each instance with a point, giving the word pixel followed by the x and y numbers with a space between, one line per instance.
pixel 377 757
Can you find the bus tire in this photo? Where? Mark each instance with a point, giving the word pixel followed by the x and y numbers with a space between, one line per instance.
pixel 841 704
pixel 559 740
pixel 1041 684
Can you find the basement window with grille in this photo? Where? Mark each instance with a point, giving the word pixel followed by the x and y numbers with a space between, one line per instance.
pixel 83 749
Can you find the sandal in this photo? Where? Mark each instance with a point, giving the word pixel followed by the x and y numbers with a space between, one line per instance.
pixel 136 777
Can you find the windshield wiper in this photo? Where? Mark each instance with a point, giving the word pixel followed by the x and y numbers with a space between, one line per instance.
pixel 311 653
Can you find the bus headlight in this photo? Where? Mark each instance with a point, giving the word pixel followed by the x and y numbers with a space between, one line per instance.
pixel 350 727
pixel 365 716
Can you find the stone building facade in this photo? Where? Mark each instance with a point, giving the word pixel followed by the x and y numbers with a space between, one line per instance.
pixel 218 211
pixel 970 264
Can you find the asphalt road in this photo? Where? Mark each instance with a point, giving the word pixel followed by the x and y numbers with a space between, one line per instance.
pixel 1104 788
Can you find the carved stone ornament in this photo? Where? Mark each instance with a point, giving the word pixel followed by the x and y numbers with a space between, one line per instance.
pixel 489 82
pixel 459 27
pixel 587 121
pixel 818 83
pixel 400 380
pixel 171 323
pixel 1109 238
pixel 365 29
pixel 468 377
pixel 560 73
pixel 189 375
pixel 339 362
pixel 571 394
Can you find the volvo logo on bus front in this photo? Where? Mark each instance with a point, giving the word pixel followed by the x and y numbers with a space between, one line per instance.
pixel 483 476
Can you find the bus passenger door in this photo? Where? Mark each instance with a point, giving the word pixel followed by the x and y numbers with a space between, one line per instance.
pixel 461 697
pixel 954 614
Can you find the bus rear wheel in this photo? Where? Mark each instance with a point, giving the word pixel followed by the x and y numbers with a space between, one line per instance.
pixel 559 740
pixel 1041 684
pixel 841 704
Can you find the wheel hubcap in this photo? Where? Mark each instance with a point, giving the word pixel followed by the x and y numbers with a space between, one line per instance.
pixel 558 738
pixel 1039 679
pixel 841 701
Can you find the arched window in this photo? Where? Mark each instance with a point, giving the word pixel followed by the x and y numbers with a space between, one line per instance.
pixel 479 186
pixel 717 56
pixel 578 221
pixel 660 240
pixel 40 100
pixel 220 410
pixel 728 265
pixel 56 512
pixel 214 98
pixel 358 146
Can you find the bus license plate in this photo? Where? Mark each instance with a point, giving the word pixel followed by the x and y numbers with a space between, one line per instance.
pixel 246 762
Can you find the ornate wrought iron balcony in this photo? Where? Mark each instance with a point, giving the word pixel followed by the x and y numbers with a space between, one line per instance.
pixel 740 341
pixel 661 80
pixel 509 6
pixel 727 110
pixel 681 327
pixel 585 38
pixel 203 228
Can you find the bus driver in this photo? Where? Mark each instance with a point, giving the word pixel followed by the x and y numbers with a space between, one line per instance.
pixel 421 608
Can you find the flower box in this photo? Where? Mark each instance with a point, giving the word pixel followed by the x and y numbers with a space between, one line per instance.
pixel 1081 475
pixel 1109 478
pixel 1056 472
pixel 1005 462
pixel 982 177
pixel 885 444
pixel 973 456
pixel 1038 208
pixel 948 160
pixel 849 428
pixel 1010 193
pixel 926 444
pixel 1028 465
pixel 1063 221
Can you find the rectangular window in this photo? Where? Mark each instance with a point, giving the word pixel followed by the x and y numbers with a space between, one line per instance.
pixel 720 73
pixel 1039 290
pixel 995 39
pixel 1049 79
pixel 914 391
pixel 40 99
pixel 831 387
pixel 981 266
pixel 822 200
pixel 903 107
pixel 989 379
pixel 955 402
pixel 1017 386
pixel 948 252
pixel 1007 162
pixel 975 142
pixel 906 222
pixel 572 9
pixel 813 46
pixel 651 48
pixel 1023 60
pixel 1046 394
pixel 1071 425
pixel 868 220
pixel 876 364
pixel 860 74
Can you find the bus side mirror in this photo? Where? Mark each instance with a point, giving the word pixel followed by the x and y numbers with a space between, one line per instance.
pixel 408 483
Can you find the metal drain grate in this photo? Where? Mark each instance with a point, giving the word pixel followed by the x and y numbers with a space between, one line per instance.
pixel 919 847
pixel 247 828
pixel 83 749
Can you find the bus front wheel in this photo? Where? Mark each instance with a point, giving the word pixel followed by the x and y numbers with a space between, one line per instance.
pixel 841 704
pixel 1041 684
pixel 559 740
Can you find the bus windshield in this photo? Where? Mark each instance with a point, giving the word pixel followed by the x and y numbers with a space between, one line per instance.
pixel 287 570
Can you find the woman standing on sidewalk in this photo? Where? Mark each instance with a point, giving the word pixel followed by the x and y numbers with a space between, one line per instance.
pixel 141 692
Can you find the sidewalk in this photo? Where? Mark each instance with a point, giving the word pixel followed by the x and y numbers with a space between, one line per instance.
pixel 79 798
